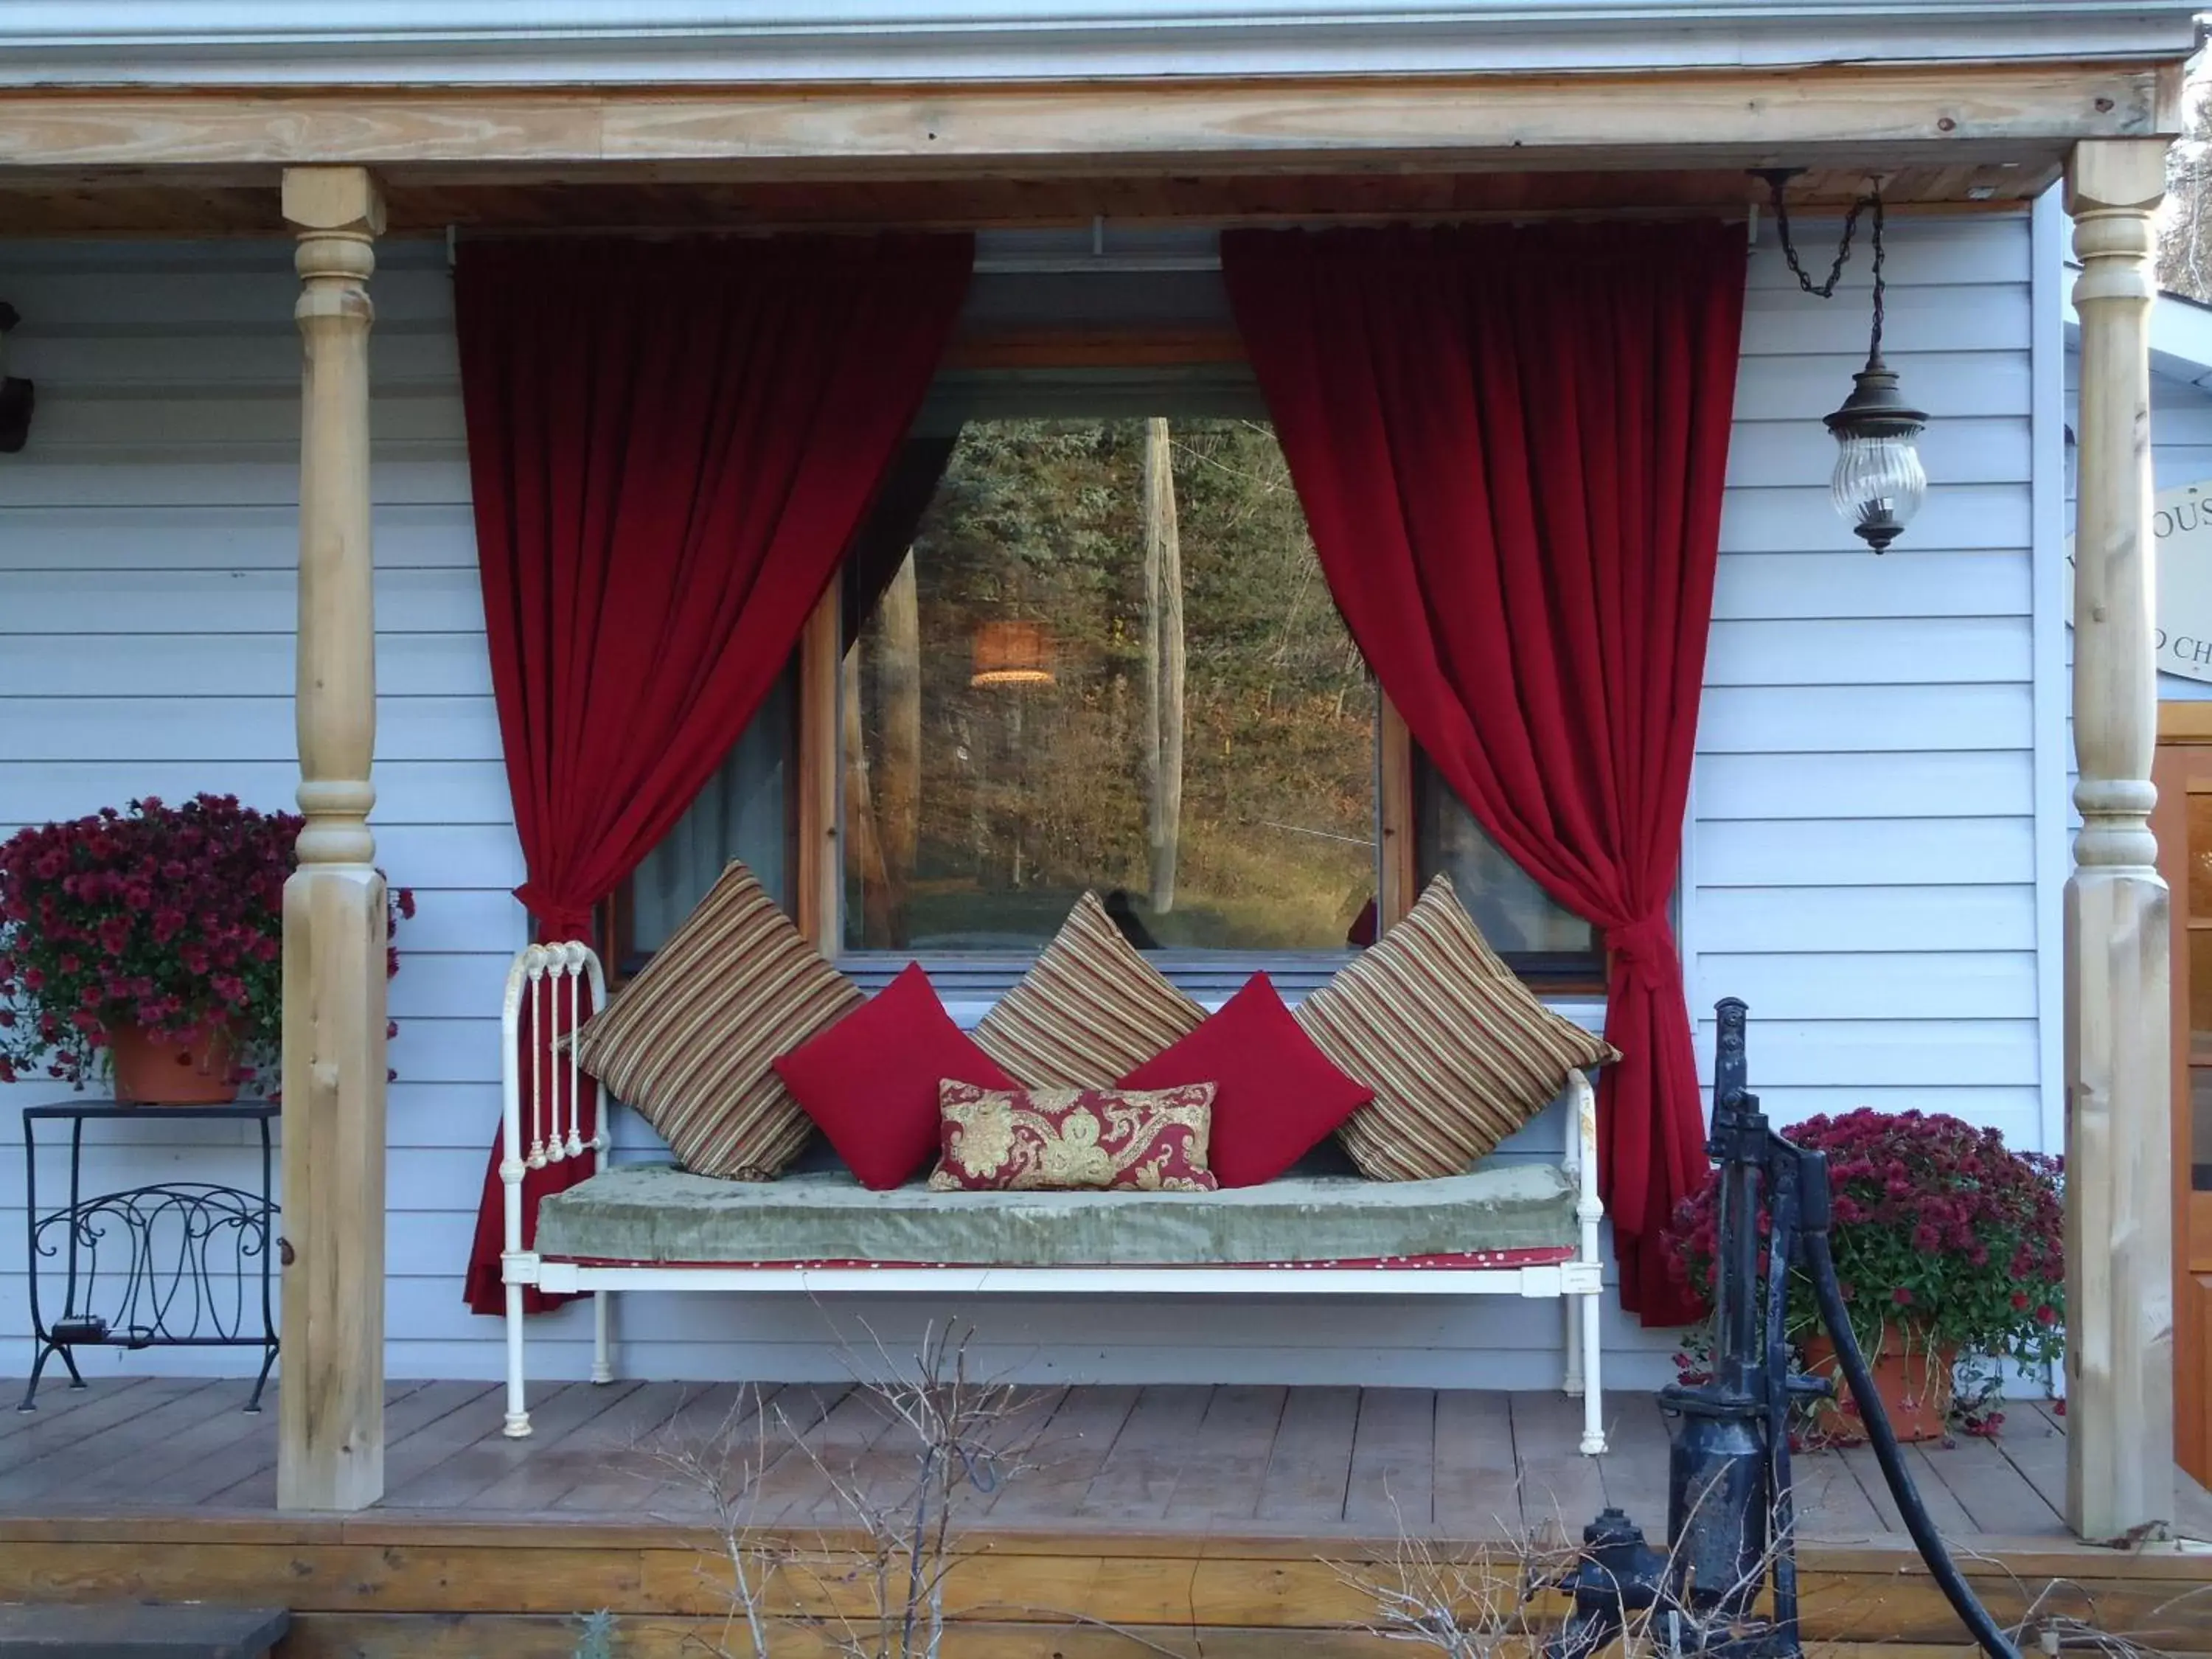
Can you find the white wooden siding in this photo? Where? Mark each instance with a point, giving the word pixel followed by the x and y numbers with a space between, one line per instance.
pixel 1864 857
pixel 1860 864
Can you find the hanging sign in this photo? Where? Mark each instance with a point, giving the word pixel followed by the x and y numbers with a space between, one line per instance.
pixel 2181 520
pixel 2181 523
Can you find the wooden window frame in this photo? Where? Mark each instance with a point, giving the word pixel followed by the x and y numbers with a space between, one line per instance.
pixel 818 862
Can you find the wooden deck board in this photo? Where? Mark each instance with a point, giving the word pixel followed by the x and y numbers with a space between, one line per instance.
pixel 1138 1476
pixel 625 1468
pixel 1995 1495
pixel 2034 1442
pixel 255 1487
pixel 167 1465
pixel 100 1408
pixel 1240 1521
pixel 833 1451
pixel 549 1469
pixel 1560 1489
pixel 1634 1468
pixel 1070 1448
pixel 1321 1462
pixel 730 1422
pixel 1311 1465
pixel 1831 1503
pixel 464 1478
pixel 1943 1506
pixel 56 1399
pixel 55 1463
pixel 1477 1481
pixel 1392 1488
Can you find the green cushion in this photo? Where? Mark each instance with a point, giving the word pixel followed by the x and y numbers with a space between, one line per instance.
pixel 657 1212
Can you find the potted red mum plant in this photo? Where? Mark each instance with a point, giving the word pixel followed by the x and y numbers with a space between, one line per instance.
pixel 1949 1244
pixel 153 936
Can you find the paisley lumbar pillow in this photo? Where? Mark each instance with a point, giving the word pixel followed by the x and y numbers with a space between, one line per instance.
pixel 1018 1140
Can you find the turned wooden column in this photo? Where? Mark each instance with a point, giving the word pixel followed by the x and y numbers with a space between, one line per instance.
pixel 2120 1223
pixel 330 1400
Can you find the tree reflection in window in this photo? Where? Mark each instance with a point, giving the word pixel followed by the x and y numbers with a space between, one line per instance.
pixel 1108 661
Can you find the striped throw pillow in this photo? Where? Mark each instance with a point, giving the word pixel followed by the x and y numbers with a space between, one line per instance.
pixel 1460 1052
pixel 1090 1009
pixel 691 1042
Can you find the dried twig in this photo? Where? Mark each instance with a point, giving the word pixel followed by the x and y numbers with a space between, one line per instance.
pixel 966 1437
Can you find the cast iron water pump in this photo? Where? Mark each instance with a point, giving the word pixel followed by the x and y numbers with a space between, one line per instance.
pixel 1730 1524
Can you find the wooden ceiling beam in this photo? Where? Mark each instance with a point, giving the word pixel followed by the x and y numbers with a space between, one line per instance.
pixel 1860 117
pixel 87 205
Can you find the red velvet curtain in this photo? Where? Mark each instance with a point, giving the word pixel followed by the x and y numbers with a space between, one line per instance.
pixel 671 444
pixel 1510 445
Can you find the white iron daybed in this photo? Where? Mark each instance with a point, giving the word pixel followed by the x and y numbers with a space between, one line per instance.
pixel 1522 1230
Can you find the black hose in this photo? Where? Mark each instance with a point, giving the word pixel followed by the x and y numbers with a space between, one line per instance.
pixel 1983 1629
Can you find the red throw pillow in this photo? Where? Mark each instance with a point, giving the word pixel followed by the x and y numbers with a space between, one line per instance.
pixel 870 1081
pixel 1032 1140
pixel 1276 1097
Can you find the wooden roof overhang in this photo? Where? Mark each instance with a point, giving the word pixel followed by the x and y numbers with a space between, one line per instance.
pixel 207 160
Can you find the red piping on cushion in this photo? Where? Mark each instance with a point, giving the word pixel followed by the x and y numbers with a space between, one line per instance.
pixel 1535 1256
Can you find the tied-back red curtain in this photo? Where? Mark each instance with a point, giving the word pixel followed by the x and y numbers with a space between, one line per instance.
pixel 1511 444
pixel 671 444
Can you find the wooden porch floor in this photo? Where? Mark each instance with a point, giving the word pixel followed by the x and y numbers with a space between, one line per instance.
pixel 1219 1523
pixel 1311 1461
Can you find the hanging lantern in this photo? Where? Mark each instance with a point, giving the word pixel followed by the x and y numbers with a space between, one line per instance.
pixel 1879 482
pixel 1011 654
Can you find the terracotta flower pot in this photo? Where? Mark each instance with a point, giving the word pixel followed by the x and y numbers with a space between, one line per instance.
pixel 155 1072
pixel 1913 1379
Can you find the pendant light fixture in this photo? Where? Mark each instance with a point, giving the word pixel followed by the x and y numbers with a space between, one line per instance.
pixel 1011 654
pixel 1878 484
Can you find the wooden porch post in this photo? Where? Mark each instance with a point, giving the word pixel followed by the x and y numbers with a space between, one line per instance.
pixel 331 1402
pixel 2119 1249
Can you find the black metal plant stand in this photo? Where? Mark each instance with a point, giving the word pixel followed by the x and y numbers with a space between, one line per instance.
pixel 176 1264
pixel 1730 1523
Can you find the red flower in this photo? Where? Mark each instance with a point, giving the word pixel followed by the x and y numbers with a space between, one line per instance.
pixel 207 878
pixel 1932 1215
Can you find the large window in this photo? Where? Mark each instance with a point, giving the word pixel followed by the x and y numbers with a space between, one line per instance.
pixel 1083 643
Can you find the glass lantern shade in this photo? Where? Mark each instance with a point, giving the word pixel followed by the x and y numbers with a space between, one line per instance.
pixel 1878 484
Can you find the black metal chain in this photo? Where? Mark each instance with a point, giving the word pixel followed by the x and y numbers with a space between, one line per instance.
pixel 1826 290
pixel 1874 346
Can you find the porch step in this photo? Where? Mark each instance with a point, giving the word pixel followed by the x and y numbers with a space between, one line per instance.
pixel 141 1631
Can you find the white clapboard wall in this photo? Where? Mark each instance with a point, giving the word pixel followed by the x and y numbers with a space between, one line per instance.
pixel 1860 864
